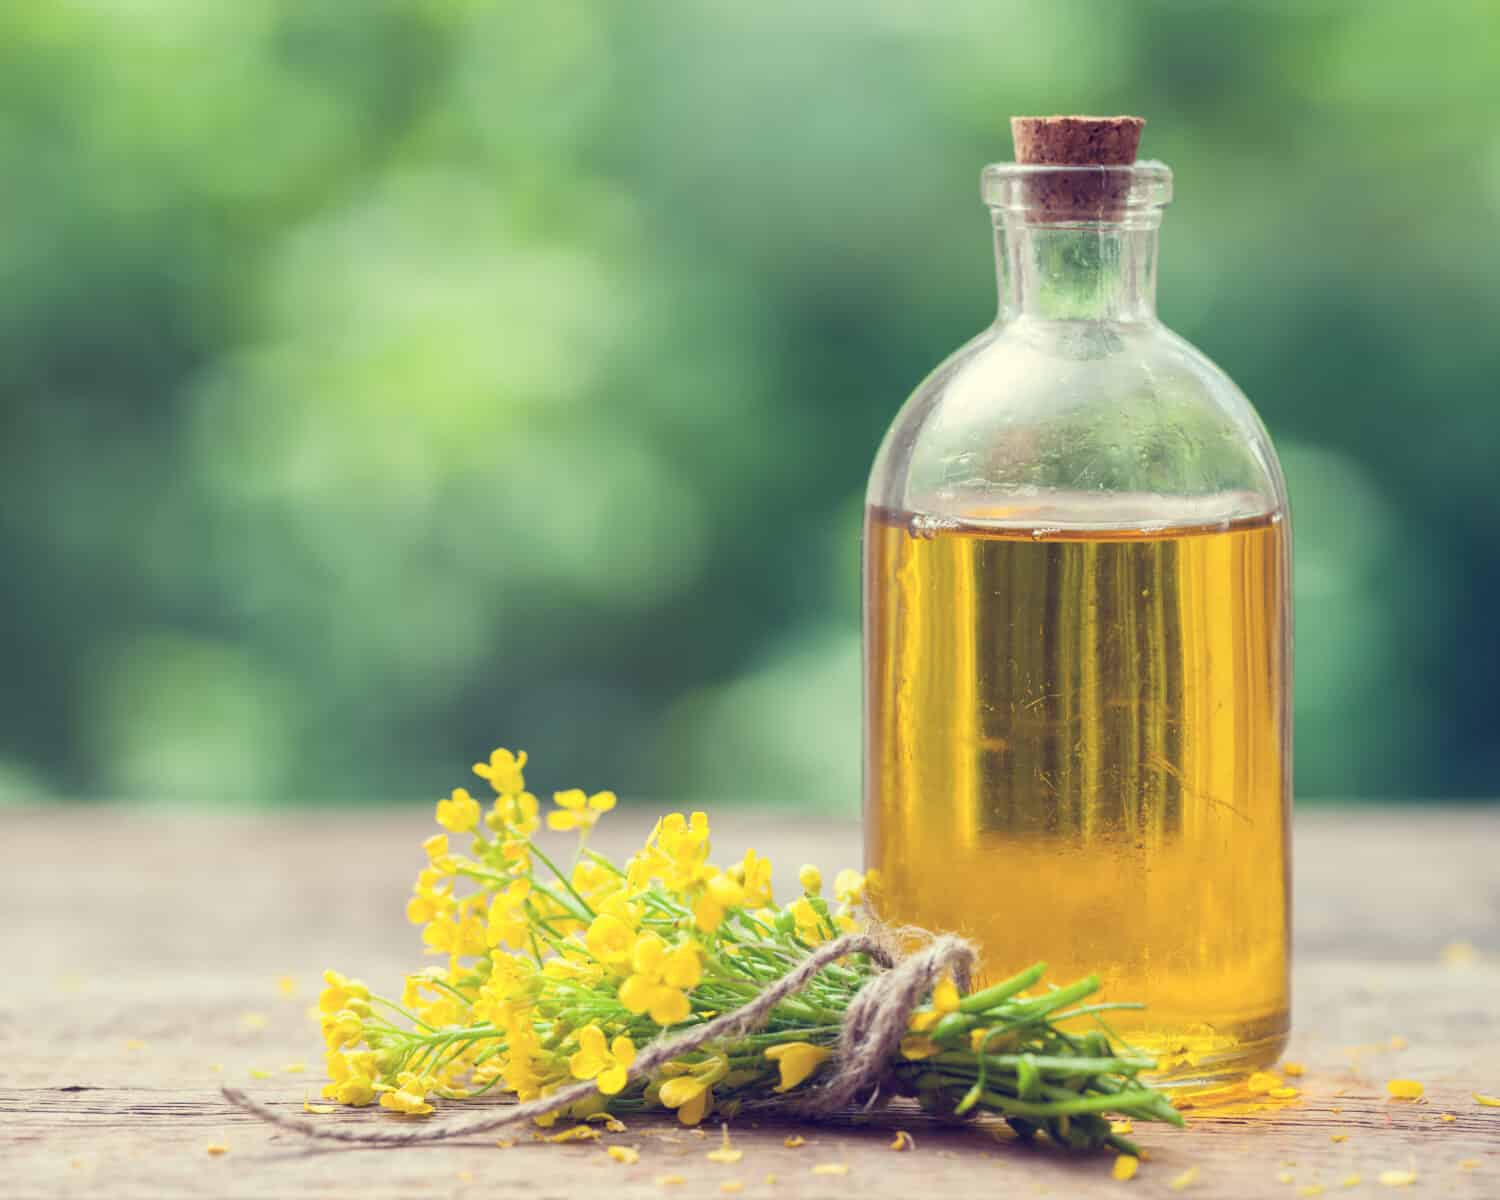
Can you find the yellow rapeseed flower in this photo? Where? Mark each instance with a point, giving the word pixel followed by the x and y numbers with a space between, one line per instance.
pixel 459 813
pixel 796 1061
pixel 661 979
pixel 409 1098
pixel 753 873
pixel 607 1066
pixel 575 810
pixel 351 1076
pixel 340 991
pixel 849 887
pixel 945 996
pixel 811 927
pixel 610 939
pixel 504 772
pixel 811 879
pixel 508 923
pixel 691 1095
pixel 343 1028
pixel 720 892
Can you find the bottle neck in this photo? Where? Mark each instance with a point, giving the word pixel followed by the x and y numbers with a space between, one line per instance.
pixel 1087 271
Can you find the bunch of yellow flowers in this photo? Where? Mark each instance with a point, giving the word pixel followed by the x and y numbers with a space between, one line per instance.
pixel 557 975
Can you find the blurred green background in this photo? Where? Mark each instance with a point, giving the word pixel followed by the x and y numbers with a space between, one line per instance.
pixel 384 381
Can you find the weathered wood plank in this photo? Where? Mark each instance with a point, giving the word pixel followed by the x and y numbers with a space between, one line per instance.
pixel 144 947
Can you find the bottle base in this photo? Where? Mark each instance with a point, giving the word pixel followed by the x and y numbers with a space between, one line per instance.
pixel 1197 1063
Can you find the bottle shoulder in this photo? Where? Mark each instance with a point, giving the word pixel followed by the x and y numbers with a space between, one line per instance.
pixel 1085 409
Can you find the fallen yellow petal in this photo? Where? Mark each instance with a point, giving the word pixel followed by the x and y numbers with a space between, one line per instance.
pixel 794 1141
pixel 903 1141
pixel 1263 1081
pixel 505 1143
pixel 1447 1117
pixel 1283 1093
pixel 669 1180
pixel 135 1044
pixel 1487 1101
pixel 294 1068
pixel 831 1168
pixel 1283 1177
pixel 1338 1137
pixel 731 1185
pixel 1123 1128
pixel 257 1073
pixel 725 1153
pixel 1349 1181
pixel 1404 1089
pixel 625 1154
pixel 1310 1189
pixel 309 1106
pixel 216 1148
pixel 1398 1178
pixel 1294 1068
pixel 1126 1165
pixel 1185 1180
pixel 579 1133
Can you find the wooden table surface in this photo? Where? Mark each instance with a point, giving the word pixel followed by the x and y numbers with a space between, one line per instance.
pixel 143 949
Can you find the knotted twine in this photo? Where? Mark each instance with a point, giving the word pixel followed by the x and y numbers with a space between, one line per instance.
pixel 874 1024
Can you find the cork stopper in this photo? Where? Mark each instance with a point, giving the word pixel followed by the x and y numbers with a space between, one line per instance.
pixel 1069 142
pixel 1077 141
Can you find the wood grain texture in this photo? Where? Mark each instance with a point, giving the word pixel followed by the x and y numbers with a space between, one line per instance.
pixel 143 949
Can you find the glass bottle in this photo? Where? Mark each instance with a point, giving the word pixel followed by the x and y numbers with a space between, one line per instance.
pixel 1077 641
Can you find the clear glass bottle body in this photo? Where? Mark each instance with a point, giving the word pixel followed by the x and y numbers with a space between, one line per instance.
pixel 1077 644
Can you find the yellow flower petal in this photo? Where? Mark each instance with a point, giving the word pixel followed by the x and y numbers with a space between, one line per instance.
pixel 1487 1101
pixel 1404 1089
pixel 1126 1165
pixel 945 996
pixel 1185 1180
pixel 796 1061
pixel 1397 1178
pixel 831 1168
pixel 627 1155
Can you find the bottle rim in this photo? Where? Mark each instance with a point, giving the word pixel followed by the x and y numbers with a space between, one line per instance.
pixel 1093 192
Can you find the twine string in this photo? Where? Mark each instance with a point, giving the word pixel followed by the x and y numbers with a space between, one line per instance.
pixel 873 1026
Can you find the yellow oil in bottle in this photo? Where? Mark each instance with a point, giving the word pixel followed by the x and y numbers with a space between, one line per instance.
pixel 1077 751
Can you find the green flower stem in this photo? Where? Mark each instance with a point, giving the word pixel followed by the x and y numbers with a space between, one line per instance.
pixel 998 993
